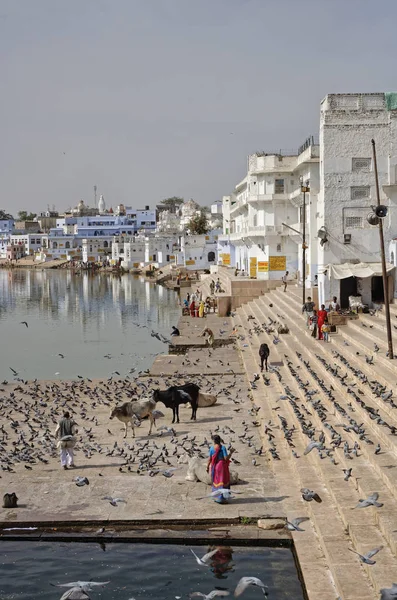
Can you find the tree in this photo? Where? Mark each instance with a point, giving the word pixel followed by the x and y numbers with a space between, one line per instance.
pixel 198 224
pixel 172 203
pixel 23 215
pixel 5 216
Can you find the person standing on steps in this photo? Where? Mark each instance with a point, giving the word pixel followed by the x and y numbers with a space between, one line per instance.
pixel 325 329
pixel 65 433
pixel 218 468
pixel 313 324
pixel 308 308
pixel 321 315
pixel 285 280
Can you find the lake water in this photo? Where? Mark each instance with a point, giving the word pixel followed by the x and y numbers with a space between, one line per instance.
pixel 142 571
pixel 83 317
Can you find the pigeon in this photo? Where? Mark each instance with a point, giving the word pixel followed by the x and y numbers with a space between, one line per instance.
pixel 113 501
pixel 313 445
pixel 294 524
pixel 80 481
pixel 389 593
pixel 366 558
pixel 370 501
pixel 204 560
pixel 209 596
pixel 309 495
pixel 348 473
pixel 83 585
pixel 246 582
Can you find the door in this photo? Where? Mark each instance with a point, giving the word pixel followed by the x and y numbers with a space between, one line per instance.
pixel 377 292
pixel 348 287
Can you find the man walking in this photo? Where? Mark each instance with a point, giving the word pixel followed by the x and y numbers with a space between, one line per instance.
pixel 284 280
pixel 308 309
pixel 65 433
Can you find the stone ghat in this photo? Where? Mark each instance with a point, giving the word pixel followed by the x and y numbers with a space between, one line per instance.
pixel 328 393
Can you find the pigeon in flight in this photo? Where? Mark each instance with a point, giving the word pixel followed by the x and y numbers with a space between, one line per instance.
pixel 83 585
pixel 313 445
pixel 294 524
pixel 209 596
pixel 366 558
pixel 246 582
pixel 114 501
pixel 370 501
pixel 309 495
pixel 204 560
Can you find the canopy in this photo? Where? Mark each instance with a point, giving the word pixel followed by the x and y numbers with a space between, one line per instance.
pixel 356 270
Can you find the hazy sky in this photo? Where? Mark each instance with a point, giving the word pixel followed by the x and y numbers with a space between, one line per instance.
pixel 155 98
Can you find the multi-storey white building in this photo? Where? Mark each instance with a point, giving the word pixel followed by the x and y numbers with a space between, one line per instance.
pixel 348 123
pixel 263 217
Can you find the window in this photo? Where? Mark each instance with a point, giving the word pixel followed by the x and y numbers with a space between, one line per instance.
pixel 105 244
pixel 44 243
pixel 54 245
pixel 255 220
pixel 360 165
pixel 279 186
pixel 359 191
pixel 90 248
pixel 278 248
pixel 67 245
pixel 354 222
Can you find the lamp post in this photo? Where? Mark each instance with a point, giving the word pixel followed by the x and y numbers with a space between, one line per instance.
pixel 378 214
pixel 304 188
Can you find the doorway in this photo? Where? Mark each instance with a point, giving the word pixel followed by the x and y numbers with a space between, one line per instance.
pixel 348 287
pixel 377 291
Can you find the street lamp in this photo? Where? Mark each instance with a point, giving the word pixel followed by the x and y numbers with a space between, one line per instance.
pixel 376 218
pixel 304 188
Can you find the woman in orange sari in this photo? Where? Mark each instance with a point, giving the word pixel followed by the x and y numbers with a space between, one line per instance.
pixel 321 316
pixel 218 462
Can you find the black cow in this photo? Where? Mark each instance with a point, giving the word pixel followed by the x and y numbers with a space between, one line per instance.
pixel 176 395
pixel 264 354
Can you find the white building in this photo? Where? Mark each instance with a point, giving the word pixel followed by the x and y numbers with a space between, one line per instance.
pixel 199 251
pixel 136 251
pixel 263 217
pixel 348 123
pixel 97 249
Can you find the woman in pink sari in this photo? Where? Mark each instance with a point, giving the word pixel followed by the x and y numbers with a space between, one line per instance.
pixel 321 316
pixel 218 462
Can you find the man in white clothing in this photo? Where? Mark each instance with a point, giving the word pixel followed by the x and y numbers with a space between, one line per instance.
pixel 65 433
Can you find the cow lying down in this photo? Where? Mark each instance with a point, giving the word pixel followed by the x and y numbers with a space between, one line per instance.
pixel 197 471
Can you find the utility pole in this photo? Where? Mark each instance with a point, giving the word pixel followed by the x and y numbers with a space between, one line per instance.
pixel 382 253
pixel 304 188
pixel 95 188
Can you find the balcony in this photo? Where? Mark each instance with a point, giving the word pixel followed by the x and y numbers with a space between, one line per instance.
pixel 238 206
pixel 253 198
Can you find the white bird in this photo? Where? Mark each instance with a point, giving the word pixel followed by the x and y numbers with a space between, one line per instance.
pixel 205 559
pixel 83 585
pixel 246 582
pixel 75 593
pixel 209 596
pixel 114 501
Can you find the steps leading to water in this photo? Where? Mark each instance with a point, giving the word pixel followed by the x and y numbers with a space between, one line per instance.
pixel 335 527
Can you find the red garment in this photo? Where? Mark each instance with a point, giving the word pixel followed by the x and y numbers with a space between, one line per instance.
pixel 220 470
pixel 192 309
pixel 322 315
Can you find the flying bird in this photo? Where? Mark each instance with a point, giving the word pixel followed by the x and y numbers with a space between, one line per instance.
pixel 83 585
pixel 366 558
pixel 24 323
pixel 204 560
pixel 309 495
pixel 114 501
pixel 246 582
pixel 209 596
pixel 370 501
pixel 294 524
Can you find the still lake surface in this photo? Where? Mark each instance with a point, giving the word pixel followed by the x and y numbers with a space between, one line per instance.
pixel 83 317
pixel 142 571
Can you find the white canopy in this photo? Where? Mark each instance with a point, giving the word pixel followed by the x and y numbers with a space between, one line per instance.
pixel 356 270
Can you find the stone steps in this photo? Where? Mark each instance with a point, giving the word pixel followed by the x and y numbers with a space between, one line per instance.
pixel 287 471
pixel 371 473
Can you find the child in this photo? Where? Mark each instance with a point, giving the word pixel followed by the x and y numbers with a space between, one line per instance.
pixel 325 330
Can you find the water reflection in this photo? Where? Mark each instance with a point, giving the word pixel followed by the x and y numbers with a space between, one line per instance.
pixel 65 310
pixel 222 561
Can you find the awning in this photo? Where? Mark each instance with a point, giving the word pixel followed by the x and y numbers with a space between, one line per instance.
pixel 356 270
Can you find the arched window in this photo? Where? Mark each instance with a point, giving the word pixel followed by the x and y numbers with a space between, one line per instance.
pixel 55 245
pixel 105 244
pixel 211 256
pixel 67 245
pixel 44 243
